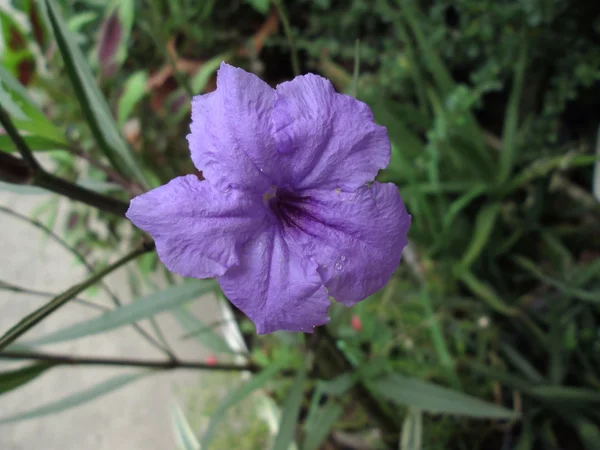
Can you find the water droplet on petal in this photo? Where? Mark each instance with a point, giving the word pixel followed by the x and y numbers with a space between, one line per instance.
pixel 339 266
pixel 342 258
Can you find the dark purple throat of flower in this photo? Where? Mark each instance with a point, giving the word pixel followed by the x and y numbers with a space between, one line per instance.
pixel 288 207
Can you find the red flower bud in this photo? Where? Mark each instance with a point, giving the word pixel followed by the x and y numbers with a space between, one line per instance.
pixel 356 323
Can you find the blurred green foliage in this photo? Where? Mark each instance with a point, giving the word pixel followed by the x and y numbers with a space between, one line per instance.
pixel 492 112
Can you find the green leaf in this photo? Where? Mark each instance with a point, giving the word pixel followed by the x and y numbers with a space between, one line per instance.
pixel 41 313
pixel 204 334
pixel 79 398
pixel 35 143
pixel 140 309
pixel 25 113
pixel 184 434
pixel 462 202
pixel 261 6
pixel 319 428
pixel 439 341
pixel 566 395
pixel 485 292
pixel 78 21
pixel 237 395
pixel 289 415
pixel 588 432
pixel 134 91
pixel 15 378
pixel 509 134
pixel 532 268
pixel 335 388
pixel 412 430
pixel 526 439
pixel 440 73
pixel 432 60
pixel 436 399
pixel 93 104
pixel 521 363
pixel 484 225
pixel 543 167
pixel 202 77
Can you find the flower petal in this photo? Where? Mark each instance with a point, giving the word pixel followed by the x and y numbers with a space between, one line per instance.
pixel 198 230
pixel 275 287
pixel 356 238
pixel 331 139
pixel 230 137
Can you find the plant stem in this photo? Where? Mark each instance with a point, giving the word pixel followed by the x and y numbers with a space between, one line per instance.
pixel 14 170
pixel 116 301
pixel 20 143
pixel 126 362
pixel 41 313
pixel 21 290
pixel 70 190
pixel 334 359
pixel 41 178
pixel 111 174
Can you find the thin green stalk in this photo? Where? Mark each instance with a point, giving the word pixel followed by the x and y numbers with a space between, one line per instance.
pixel 161 337
pixel 21 290
pixel 332 362
pixel 90 269
pixel 289 35
pixel 437 336
pixel 41 313
pixel 419 79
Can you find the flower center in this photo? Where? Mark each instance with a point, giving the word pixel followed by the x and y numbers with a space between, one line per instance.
pixel 287 205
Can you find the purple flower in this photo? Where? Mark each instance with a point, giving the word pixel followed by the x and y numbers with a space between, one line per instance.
pixel 288 214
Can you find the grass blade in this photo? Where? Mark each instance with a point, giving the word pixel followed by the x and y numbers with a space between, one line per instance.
pixel 437 336
pixel 15 378
pixel 93 104
pixel 256 382
pixel 509 134
pixel 412 430
pixel 484 225
pixel 437 399
pixel 336 387
pixel 532 268
pixel 206 336
pixel 140 309
pixel 322 424
pixel 35 143
pixel 183 431
pixel 79 398
pixel 25 113
pixel 589 433
pixel 482 290
pixel 521 363
pixel 133 92
pixel 41 313
pixel 289 416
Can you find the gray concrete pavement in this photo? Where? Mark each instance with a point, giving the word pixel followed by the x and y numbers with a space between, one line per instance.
pixel 134 417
